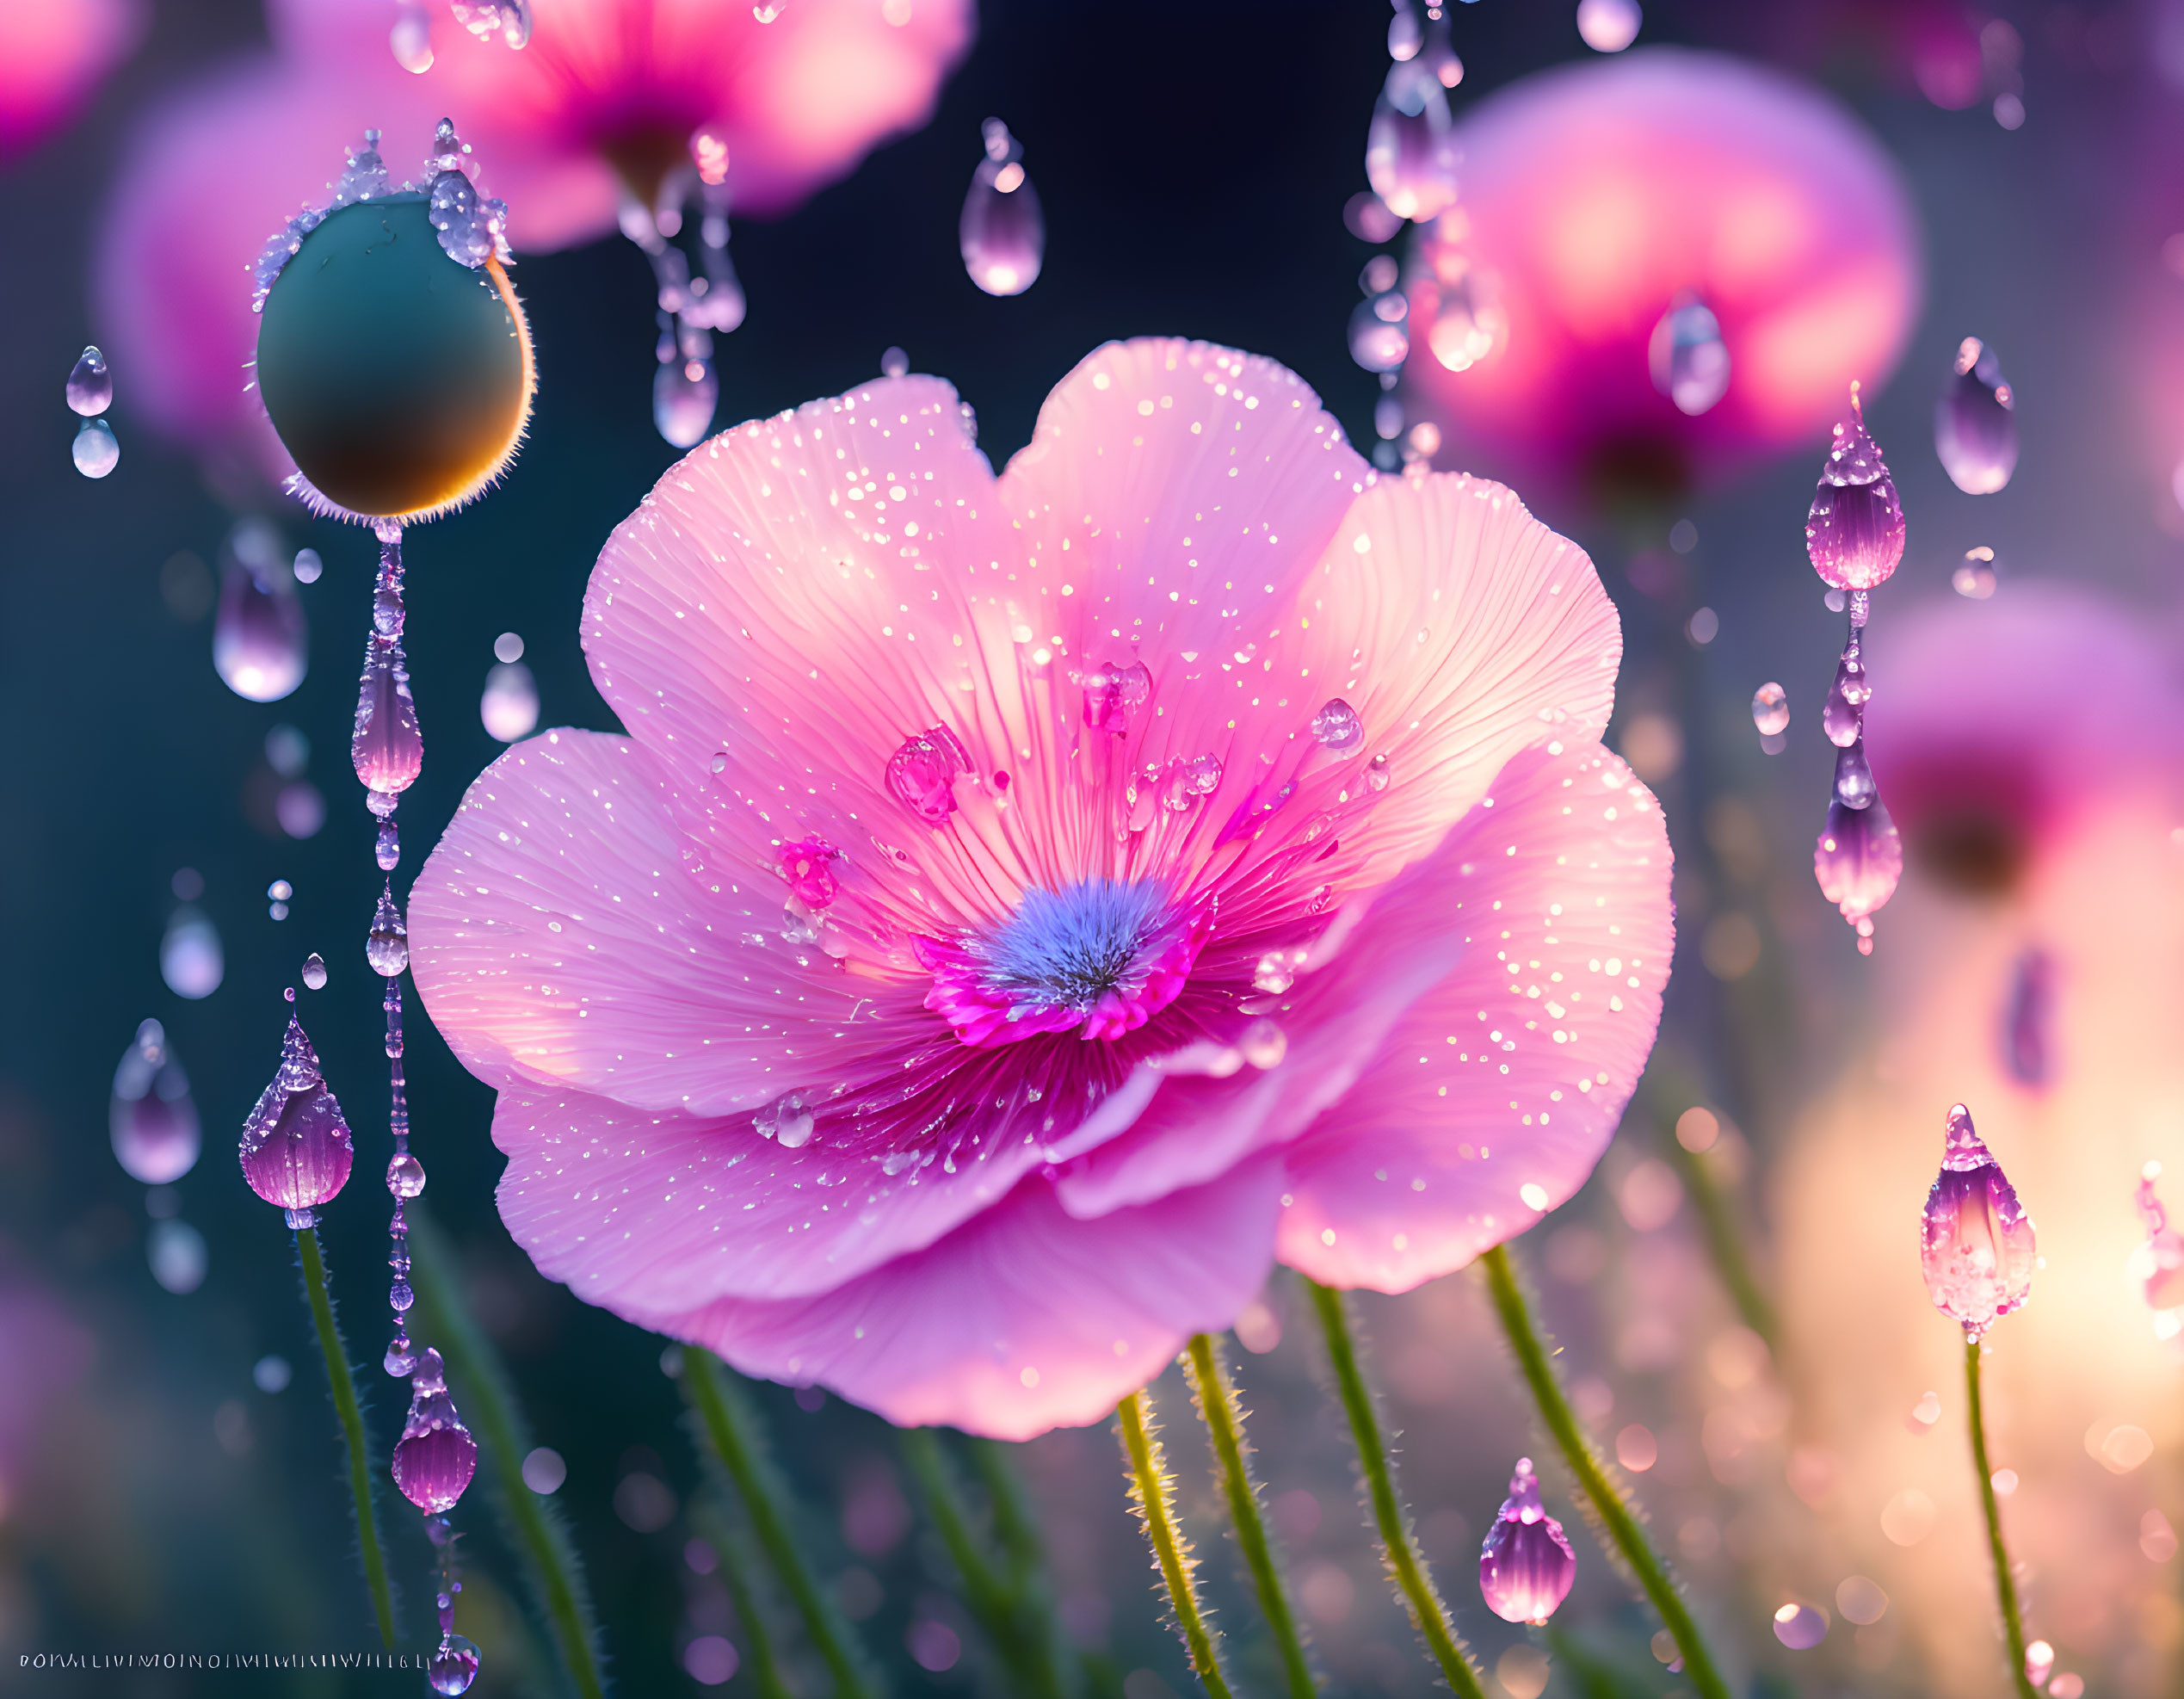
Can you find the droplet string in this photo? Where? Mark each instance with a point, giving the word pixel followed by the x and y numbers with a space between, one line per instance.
pixel 691 309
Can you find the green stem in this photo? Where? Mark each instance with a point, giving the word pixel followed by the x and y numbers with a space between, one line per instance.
pixel 1008 1610
pixel 488 1402
pixel 1724 1243
pixel 1601 1492
pixel 330 1346
pixel 1398 1546
pixel 738 1574
pixel 1223 1414
pixel 2005 1588
pixel 731 1429
pixel 1150 1492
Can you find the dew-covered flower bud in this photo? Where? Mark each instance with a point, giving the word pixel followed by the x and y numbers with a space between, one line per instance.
pixel 1526 1566
pixel 1976 1245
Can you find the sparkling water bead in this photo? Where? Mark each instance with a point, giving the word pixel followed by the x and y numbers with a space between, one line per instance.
pixel 1842 715
pixel 686 391
pixel 296 1149
pixel 1975 422
pixel 91 386
pixel 1854 776
pixel 401 1357
pixel 385 745
pixel 435 1456
pixel 1854 533
pixel 453 1666
pixel 397 379
pixel 386 847
pixel 1002 232
pixel 1411 155
pixel 386 947
pixel 1976 1246
pixel 406 1175
pixel 156 1131
pixel 95 451
pixel 314 970
pixel 1336 729
pixel 1771 710
pixel 1526 1566
pixel 1859 859
pixel 921 774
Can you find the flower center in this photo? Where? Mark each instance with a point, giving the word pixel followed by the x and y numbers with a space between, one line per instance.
pixel 1104 954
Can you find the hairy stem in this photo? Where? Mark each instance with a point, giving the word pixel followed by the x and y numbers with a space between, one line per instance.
pixel 2005 1587
pixel 1223 1414
pixel 335 1351
pixel 1607 1504
pixel 1398 1546
pixel 1150 1493
pixel 488 1402
pixel 731 1429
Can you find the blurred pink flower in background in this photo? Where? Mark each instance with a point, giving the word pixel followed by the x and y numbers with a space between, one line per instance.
pixel 52 54
pixel 44 1352
pixel 1026 907
pixel 1661 266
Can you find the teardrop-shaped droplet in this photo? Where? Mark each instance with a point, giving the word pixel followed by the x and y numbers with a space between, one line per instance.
pixel 314 970
pixel 1975 422
pixel 1859 859
pixel 386 849
pixel 1465 323
pixel 2028 1020
pixel 386 746
pixel 1854 533
pixel 1608 26
pixel 95 451
pixel 1337 729
pixel 411 39
pixel 296 1149
pixel 1842 716
pixel 921 774
pixel 152 1116
pixel 406 1175
pixel 788 1120
pixel 509 707
pixel 1411 153
pixel 455 1663
pixel 1771 710
pixel 1115 695
pixel 435 1456
pixel 1525 1566
pixel 1688 358
pixel 1854 776
pixel 91 386
pixel 386 947
pixel 259 642
pixel 191 961
pixel 1002 231
pixel 1377 342
pixel 685 392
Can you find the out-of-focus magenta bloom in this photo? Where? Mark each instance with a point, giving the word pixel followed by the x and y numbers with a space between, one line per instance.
pixel 1977 1246
pixel 1525 1567
pixel 46 1351
pixel 435 1457
pixel 2159 1263
pixel 1026 907
pixel 2004 725
pixel 1854 532
pixel 1629 228
pixel 296 1149
pixel 52 54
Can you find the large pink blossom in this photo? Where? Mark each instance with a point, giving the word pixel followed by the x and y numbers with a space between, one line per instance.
pixel 1596 198
pixel 52 54
pixel 1025 908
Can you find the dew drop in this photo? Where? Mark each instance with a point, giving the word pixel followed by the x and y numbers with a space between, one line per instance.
pixel 411 39
pixel 1275 973
pixel 1116 695
pixel 1411 155
pixel 454 1665
pixel 510 706
pixel 1801 1626
pixel 386 847
pixel 152 1116
pixel 510 20
pixel 1686 356
pixel 1771 710
pixel 1263 1044
pixel 386 947
pixel 436 1457
pixel 1377 343
pixel 788 1120
pixel 259 642
pixel 1975 422
pixel 191 961
pixel 1842 715
pixel 314 970
pixel 91 386
pixel 95 450
pixel 1859 861
pixel 685 392
pixel 1854 776
pixel 1002 231
pixel 921 774
pixel 1376 773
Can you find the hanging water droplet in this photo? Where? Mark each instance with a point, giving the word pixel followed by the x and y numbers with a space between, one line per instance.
pixel 1858 862
pixel 296 1149
pixel 411 39
pixel 455 1663
pixel 1002 231
pixel 510 20
pixel 1854 533
pixel 1205 774
pixel 401 1355
pixel 1387 417
pixel 386 849
pixel 1686 356
pixel 1608 26
pixel 685 392
pixel 1409 150
pixel 1842 715
pixel 921 774
pixel 1116 695
pixel 1406 34
pixel 95 451
pixel 2028 1019
pixel 1854 776
pixel 314 970
pixel 153 1120
pixel 260 640
pixel 1336 729
pixel 788 1120
pixel 1379 342
pixel 190 958
pixel 91 386
pixel 1975 422
pixel 387 945
pixel 435 1457
pixel 1771 710
pixel 1974 578
pixel 1376 773
pixel 509 707
pixel 405 1174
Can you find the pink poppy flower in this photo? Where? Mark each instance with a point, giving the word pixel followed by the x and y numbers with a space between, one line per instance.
pixel 1026 907
pixel 609 95
pixel 1663 265
pixel 52 54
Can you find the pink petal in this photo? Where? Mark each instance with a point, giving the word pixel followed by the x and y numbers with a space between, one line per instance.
pixel 52 54
pixel 1513 1073
pixel 1022 1320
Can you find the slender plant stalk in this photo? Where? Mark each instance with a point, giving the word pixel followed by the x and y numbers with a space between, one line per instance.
pixel 335 1351
pixel 488 1404
pixel 1724 1242
pixel 1223 1414
pixel 1149 1492
pixel 1015 1525
pixel 731 1429
pixel 1007 1607
pixel 2005 1588
pixel 1601 1492
pixel 1400 1550
pixel 739 1573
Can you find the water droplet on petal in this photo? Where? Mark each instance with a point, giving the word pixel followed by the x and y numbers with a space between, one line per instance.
pixel 1116 695
pixel 1410 154
pixel 1337 729
pixel 685 392
pixel 314 970
pixel 153 1120
pixel 786 1120
pixel 296 1149
pixel 509 707
pixel 1525 1566
pixel 1002 231
pixel 808 866
pixel 1608 26
pixel 1376 773
pixel 387 945
pixel 1801 1626
pixel 95 450
pixel 1686 356
pixel 1975 422
pixel 191 961
pixel 921 774
pixel 91 386
pixel 1854 533
pixel 1771 710
pixel 1975 578
pixel 1275 973
pixel 1262 1044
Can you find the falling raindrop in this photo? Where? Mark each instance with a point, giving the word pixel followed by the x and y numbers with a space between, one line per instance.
pixel 190 958
pixel 1686 356
pixel 685 392
pixel 509 707
pixel 1854 533
pixel 1975 578
pixel 314 970
pixel 260 640
pixel 91 386
pixel 386 947
pixel 1975 422
pixel 153 1120
pixel 1002 231
pixel 1771 710
pixel 95 450
pixel 1411 153
pixel 1608 26
pixel 2028 1020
